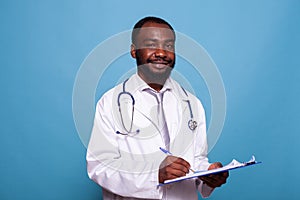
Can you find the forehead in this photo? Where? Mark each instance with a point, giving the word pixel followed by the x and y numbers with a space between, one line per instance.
pixel 155 31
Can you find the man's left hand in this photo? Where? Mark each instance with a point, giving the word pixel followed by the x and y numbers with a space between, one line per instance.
pixel 215 180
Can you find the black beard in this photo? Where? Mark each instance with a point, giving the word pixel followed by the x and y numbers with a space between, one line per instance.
pixel 153 78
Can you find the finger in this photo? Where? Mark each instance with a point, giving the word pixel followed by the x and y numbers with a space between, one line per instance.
pixel 179 166
pixel 173 159
pixel 221 174
pixel 214 180
pixel 183 162
pixel 171 176
pixel 215 165
pixel 226 174
pixel 208 181
pixel 212 177
pixel 168 160
pixel 174 172
pixel 217 177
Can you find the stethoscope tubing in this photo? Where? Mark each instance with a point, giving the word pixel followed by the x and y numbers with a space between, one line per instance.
pixel 191 123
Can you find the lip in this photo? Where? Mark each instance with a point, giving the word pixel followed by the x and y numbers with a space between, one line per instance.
pixel 159 65
pixel 159 62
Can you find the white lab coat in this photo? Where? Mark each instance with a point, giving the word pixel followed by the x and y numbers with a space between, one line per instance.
pixel 126 167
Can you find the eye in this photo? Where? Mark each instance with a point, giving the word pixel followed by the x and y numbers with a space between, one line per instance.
pixel 150 45
pixel 169 46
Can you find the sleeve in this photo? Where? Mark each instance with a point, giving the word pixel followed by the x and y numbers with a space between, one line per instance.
pixel 201 147
pixel 106 166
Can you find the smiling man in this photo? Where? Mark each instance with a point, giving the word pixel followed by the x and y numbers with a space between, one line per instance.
pixel 148 112
pixel 153 48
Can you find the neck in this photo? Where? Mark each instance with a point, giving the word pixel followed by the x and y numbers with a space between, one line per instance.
pixel 155 86
pixel 154 82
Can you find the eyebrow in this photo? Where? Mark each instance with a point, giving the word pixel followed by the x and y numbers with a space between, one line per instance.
pixel 156 40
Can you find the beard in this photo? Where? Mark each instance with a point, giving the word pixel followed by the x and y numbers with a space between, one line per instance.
pixel 152 74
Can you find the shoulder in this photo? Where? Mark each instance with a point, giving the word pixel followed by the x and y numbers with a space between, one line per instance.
pixel 113 94
pixel 185 94
pixel 179 89
pixel 109 96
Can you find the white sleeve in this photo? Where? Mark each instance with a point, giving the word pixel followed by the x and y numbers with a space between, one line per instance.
pixel 108 168
pixel 204 189
pixel 201 152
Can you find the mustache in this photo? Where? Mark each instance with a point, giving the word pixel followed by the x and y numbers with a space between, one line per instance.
pixel 163 61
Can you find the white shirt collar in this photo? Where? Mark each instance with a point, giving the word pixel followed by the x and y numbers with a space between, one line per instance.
pixel 141 85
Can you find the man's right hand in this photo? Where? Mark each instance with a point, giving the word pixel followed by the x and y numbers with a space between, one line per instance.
pixel 172 167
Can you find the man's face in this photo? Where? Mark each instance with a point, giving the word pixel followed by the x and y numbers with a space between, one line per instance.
pixel 154 50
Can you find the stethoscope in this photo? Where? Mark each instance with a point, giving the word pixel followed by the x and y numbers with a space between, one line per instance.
pixel 192 124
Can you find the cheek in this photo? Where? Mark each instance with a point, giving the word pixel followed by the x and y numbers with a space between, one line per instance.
pixel 171 55
pixel 144 54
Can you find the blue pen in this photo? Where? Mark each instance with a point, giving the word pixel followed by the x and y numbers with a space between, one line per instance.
pixel 165 151
pixel 170 154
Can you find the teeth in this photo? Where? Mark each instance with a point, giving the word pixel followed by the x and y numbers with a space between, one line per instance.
pixel 164 63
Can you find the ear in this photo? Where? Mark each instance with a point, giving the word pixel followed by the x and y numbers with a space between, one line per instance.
pixel 133 50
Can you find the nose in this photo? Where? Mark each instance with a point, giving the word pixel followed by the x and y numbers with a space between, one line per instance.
pixel 160 52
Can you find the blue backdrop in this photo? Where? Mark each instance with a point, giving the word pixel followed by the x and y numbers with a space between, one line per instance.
pixel 255 45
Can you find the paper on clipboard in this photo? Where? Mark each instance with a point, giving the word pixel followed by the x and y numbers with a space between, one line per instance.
pixel 234 164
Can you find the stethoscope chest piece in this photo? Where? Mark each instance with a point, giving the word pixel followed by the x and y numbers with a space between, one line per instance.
pixel 192 124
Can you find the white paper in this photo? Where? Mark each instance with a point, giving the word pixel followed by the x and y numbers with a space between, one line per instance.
pixel 234 164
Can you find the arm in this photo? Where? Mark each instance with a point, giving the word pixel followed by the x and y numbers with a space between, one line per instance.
pixel 206 184
pixel 201 160
pixel 114 170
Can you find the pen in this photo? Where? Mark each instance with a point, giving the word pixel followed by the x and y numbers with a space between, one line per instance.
pixel 170 154
pixel 165 151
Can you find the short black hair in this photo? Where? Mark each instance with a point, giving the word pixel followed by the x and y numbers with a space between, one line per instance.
pixel 143 21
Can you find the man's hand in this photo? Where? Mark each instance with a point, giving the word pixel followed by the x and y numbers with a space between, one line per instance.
pixel 215 180
pixel 172 167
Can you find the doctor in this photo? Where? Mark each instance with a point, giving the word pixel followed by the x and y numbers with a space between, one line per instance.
pixel 148 111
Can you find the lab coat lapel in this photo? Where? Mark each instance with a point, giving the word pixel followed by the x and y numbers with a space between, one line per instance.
pixel 171 108
pixel 181 136
pixel 175 113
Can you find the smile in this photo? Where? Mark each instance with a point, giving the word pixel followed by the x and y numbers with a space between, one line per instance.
pixel 159 62
pixel 159 65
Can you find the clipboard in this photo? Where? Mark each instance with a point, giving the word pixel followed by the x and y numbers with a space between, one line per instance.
pixel 234 164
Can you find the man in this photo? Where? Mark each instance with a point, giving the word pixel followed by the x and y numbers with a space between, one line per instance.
pixel 148 112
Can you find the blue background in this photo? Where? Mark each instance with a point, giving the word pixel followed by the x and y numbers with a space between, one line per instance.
pixel 255 45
